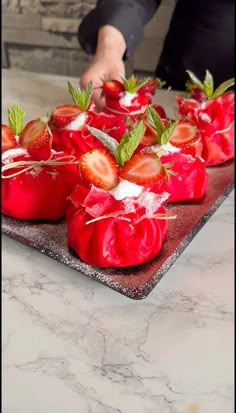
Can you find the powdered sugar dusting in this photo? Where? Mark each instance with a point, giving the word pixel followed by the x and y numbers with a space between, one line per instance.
pixel 148 200
pixel 152 201
pixel 35 171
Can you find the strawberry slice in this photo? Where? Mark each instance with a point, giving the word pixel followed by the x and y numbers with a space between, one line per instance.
pixel 185 134
pixel 64 114
pixel 99 167
pixel 8 138
pixel 113 88
pixel 149 87
pixel 36 138
pixel 150 135
pixel 160 110
pixel 143 169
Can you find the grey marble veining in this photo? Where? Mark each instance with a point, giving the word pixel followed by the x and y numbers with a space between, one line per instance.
pixel 71 345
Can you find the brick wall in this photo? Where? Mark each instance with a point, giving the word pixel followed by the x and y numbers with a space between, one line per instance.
pixel 41 36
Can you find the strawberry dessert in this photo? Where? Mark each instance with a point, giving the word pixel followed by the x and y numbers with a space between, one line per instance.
pixel 68 123
pixel 111 221
pixel 177 146
pixel 130 97
pixel 36 180
pixel 213 112
pixel 164 158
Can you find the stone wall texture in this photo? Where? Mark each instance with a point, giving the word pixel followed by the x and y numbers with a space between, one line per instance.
pixel 41 36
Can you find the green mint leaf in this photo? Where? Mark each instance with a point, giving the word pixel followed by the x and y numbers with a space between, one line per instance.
pixel 15 119
pixel 208 84
pixel 129 143
pixel 169 129
pixel 106 139
pixel 130 84
pixel 195 80
pixel 222 88
pixel 81 97
pixel 160 83
pixel 154 120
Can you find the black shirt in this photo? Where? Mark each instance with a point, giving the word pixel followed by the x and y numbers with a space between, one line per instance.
pixel 200 36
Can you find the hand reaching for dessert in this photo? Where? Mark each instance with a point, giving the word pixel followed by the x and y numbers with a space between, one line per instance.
pixel 107 62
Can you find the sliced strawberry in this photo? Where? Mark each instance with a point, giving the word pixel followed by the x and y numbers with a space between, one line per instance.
pixel 160 110
pixel 185 134
pixel 36 138
pixel 64 114
pixel 8 138
pixel 149 87
pixel 150 136
pixel 99 167
pixel 113 88
pixel 143 169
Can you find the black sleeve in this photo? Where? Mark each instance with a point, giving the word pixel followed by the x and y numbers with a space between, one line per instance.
pixel 128 16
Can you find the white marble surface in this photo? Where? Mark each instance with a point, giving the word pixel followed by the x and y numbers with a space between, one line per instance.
pixel 72 345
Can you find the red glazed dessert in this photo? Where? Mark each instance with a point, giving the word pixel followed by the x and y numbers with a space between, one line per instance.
pixel 176 144
pixel 35 179
pixel 69 122
pixel 130 97
pixel 213 112
pixel 112 222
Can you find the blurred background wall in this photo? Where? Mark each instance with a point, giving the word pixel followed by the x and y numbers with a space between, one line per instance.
pixel 41 36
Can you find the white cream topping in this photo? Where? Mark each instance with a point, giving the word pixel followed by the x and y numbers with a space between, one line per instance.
pixel 127 98
pixel 78 122
pixel 205 117
pixel 167 147
pixel 9 155
pixel 126 189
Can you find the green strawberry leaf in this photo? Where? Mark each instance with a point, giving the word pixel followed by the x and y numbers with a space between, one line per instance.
pixel 208 84
pixel 81 97
pixel 222 88
pixel 154 120
pixel 106 139
pixel 166 134
pixel 194 79
pixel 15 119
pixel 129 143
pixel 132 85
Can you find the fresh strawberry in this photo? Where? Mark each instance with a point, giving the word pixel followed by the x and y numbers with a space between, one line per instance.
pixel 113 88
pixel 160 110
pixel 185 134
pixel 143 169
pixel 36 138
pixel 64 114
pixel 149 87
pixel 8 138
pixel 99 167
pixel 150 135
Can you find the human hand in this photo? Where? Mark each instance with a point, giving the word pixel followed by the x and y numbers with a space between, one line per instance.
pixel 107 62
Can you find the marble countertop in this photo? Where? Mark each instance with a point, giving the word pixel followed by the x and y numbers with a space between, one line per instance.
pixel 72 345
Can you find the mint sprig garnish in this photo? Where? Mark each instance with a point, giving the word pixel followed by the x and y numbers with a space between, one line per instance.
pixel 15 119
pixel 106 139
pixel 154 120
pixel 223 87
pixel 164 132
pixel 81 97
pixel 207 86
pixel 129 143
pixel 131 84
pixel 124 150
